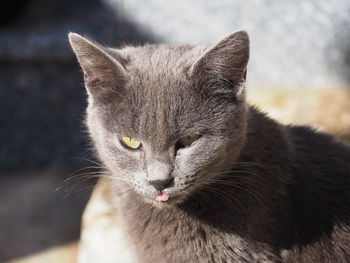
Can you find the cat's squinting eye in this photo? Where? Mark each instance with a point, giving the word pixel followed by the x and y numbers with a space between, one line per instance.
pixel 187 141
pixel 130 142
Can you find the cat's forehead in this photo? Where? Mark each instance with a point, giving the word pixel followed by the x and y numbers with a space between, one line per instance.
pixel 160 62
pixel 158 76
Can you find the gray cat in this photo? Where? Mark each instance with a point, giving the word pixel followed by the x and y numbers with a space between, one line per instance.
pixel 202 176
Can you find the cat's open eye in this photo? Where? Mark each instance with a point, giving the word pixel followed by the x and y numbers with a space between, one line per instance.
pixel 187 141
pixel 130 142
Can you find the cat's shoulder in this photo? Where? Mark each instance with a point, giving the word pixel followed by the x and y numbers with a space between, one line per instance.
pixel 310 142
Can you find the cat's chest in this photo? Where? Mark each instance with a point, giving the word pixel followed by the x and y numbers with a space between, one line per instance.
pixel 176 237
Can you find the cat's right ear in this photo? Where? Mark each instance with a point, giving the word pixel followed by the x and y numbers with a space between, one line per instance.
pixel 222 68
pixel 103 74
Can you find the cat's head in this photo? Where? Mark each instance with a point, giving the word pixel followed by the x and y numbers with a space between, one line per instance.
pixel 166 119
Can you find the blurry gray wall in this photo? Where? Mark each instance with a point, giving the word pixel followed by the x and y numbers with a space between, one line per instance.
pixel 293 43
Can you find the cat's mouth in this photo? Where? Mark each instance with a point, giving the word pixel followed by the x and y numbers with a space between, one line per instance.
pixel 165 198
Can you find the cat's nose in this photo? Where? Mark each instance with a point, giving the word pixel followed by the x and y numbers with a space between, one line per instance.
pixel 162 184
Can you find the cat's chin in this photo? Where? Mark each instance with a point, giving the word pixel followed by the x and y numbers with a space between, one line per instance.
pixel 176 197
pixel 164 205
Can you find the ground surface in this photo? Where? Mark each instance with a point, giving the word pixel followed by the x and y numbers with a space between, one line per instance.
pixel 40 217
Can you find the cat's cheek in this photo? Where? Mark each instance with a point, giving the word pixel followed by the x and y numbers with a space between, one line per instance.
pixel 120 162
pixel 183 163
pixel 188 162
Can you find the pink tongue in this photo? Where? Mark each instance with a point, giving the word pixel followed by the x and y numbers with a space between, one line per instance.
pixel 162 197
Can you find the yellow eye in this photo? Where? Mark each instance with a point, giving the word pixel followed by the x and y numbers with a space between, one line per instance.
pixel 130 142
pixel 187 141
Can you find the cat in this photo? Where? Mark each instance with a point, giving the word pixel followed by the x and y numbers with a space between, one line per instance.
pixel 201 176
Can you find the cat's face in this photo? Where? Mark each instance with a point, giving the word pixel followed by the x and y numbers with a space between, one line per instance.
pixel 166 119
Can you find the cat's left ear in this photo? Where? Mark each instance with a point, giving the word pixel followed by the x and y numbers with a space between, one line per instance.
pixel 103 73
pixel 222 69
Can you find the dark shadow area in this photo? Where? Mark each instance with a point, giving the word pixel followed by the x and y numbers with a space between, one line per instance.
pixel 12 10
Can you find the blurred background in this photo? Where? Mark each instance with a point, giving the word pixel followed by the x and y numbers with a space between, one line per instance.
pixel 299 72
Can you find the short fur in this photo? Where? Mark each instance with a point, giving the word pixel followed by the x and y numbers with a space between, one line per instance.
pixel 249 190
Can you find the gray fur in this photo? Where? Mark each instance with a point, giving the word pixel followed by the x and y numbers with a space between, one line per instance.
pixel 249 190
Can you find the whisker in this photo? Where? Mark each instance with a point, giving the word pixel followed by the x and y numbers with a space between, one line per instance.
pixel 255 195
